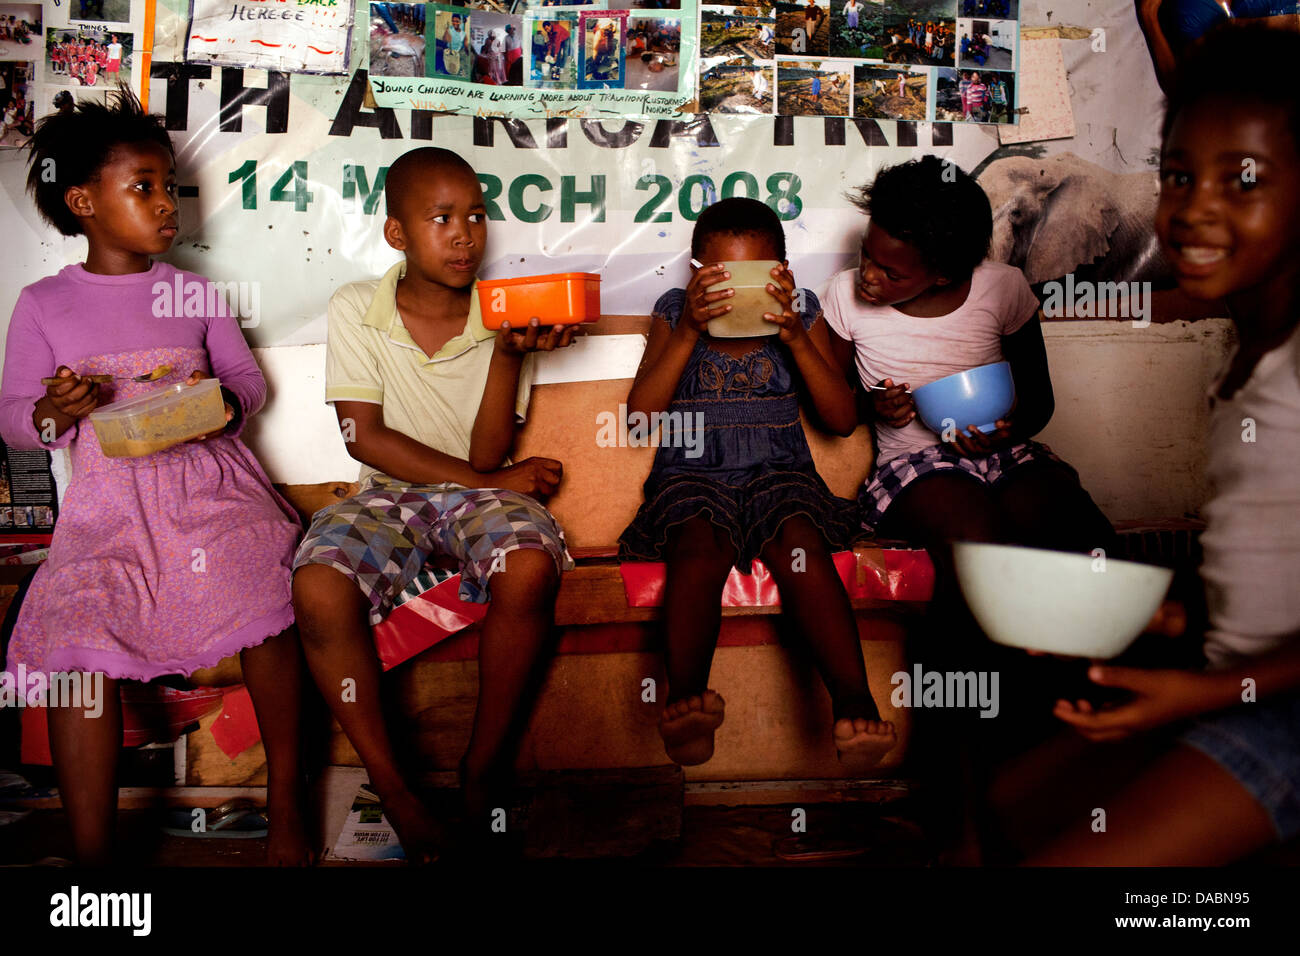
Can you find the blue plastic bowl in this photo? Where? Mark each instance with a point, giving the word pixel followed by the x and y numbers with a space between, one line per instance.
pixel 977 396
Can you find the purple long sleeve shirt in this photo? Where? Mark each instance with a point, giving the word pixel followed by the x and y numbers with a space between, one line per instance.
pixel 74 315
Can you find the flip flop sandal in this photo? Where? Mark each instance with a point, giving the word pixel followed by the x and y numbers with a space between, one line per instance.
pixel 805 849
pixel 237 819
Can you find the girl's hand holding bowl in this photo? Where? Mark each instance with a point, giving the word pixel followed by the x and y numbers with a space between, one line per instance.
pixel 974 443
pixel 702 306
pixel 1160 697
pixel 783 291
pixel 195 377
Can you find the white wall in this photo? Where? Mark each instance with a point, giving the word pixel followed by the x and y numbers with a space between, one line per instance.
pixel 1130 408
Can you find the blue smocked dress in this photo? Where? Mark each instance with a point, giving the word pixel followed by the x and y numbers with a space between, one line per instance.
pixel 749 467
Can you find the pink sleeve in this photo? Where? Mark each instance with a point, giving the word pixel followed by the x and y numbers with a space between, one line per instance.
pixel 1021 304
pixel 232 361
pixel 28 358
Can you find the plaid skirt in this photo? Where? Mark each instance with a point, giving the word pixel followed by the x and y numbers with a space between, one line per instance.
pixel 891 477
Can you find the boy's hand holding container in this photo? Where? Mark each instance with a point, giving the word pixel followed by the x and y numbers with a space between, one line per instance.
pixel 533 339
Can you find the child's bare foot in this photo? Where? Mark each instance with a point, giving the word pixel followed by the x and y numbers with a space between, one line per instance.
pixel 288 843
pixel 419 833
pixel 861 743
pixel 687 727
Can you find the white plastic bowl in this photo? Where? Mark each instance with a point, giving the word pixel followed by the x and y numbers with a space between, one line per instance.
pixel 1057 602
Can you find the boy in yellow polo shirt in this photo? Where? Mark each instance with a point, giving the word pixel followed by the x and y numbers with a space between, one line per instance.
pixel 428 401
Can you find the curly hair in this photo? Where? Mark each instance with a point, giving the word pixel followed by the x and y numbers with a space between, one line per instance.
pixel 70 148
pixel 935 207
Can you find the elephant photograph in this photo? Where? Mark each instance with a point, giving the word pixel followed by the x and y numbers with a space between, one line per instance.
pixel 1062 214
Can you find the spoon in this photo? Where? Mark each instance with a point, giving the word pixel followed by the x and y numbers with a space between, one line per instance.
pixel 162 371
pixel 885 388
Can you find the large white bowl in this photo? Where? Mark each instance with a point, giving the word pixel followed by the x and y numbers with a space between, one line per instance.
pixel 1058 602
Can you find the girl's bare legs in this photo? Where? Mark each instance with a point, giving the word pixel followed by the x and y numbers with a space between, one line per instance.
pixel 699 557
pixel 813 596
pixel 332 616
pixel 1185 810
pixel 85 750
pixel 273 674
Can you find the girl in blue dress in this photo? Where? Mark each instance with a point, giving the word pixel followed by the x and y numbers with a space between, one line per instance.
pixel 746 487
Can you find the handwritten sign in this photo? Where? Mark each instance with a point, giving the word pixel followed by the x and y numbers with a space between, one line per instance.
pixel 544 62
pixel 292 36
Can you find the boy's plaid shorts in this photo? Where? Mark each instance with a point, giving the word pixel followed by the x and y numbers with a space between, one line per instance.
pixel 887 480
pixel 383 536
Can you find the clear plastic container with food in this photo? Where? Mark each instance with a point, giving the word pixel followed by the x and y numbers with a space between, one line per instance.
pixel 163 418
pixel 562 298
pixel 750 280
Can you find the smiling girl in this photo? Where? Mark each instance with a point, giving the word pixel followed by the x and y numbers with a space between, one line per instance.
pixel 1225 778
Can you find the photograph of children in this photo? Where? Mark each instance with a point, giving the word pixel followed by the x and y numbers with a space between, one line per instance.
pixel 922 32
pixel 20 31
pixel 449 30
pixel 653 48
pixel 396 39
pixel 604 41
pixel 987 43
pixel 855 27
pixel 803 28
pixel 87 56
pixel 890 92
pixel 493 38
pixel 969 95
pixel 998 97
pixel 995 9
pixel 552 61
pixel 103 11
pixel 727 32
pixel 17 115
pixel 737 87
pixel 813 87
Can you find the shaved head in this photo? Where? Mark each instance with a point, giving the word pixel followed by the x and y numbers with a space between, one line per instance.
pixel 411 167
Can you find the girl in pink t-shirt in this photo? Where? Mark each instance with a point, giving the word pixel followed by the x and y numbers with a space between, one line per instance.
pixel 163 564
pixel 923 304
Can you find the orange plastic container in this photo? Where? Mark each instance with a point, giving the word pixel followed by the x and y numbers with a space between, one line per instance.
pixel 561 298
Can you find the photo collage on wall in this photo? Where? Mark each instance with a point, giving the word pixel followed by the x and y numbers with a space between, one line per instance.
pixel 535 44
pixel 53 56
pixel 917 60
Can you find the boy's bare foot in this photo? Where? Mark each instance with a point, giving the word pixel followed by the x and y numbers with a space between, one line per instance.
pixel 421 837
pixel 687 727
pixel 861 743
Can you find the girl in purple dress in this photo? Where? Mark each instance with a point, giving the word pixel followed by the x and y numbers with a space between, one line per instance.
pixel 166 563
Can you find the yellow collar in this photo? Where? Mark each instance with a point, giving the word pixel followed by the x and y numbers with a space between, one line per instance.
pixel 383 315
